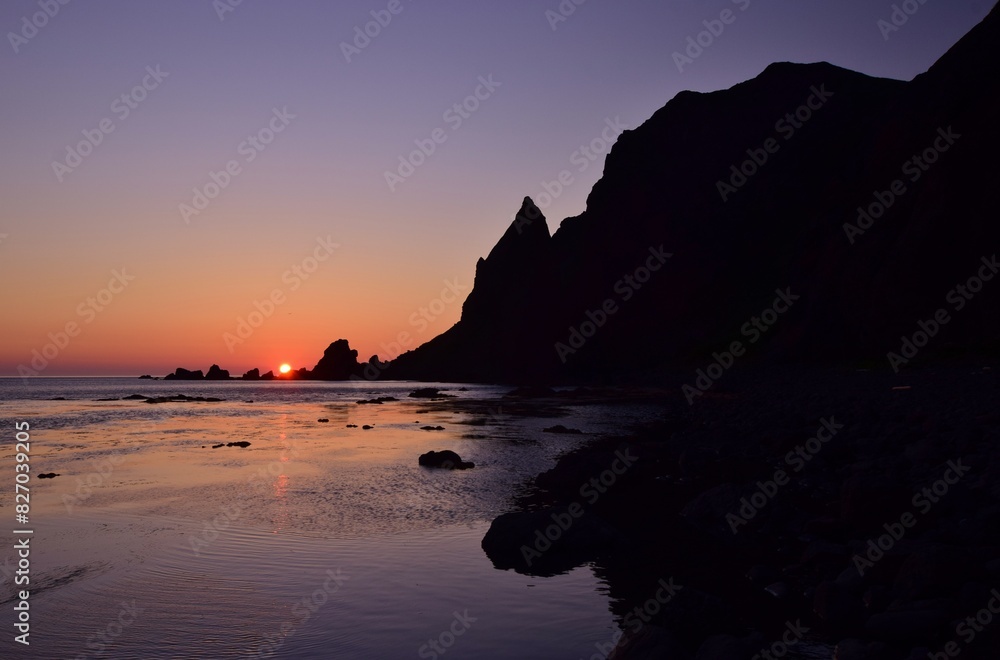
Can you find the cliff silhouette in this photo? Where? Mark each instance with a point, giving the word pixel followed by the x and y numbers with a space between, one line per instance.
pixel 865 200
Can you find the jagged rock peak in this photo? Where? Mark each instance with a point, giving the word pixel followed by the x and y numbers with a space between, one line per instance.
pixel 530 219
pixel 526 234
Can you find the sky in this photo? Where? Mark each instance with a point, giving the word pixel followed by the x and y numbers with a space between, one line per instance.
pixel 190 182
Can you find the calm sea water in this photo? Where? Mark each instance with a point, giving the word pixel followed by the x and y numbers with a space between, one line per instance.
pixel 316 541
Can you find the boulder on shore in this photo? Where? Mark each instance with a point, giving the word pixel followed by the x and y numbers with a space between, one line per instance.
pixel 548 541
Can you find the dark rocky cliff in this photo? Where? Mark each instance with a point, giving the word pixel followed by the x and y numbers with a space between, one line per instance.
pixel 835 141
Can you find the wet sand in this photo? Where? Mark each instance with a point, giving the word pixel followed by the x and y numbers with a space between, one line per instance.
pixel 217 546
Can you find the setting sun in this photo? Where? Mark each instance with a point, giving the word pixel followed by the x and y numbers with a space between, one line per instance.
pixel 285 368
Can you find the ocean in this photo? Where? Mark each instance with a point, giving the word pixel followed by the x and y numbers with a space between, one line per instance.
pixel 318 540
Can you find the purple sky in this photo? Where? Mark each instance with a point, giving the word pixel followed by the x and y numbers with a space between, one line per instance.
pixel 325 175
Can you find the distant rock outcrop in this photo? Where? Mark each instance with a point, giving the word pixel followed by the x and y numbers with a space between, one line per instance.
pixel 339 362
pixel 216 373
pixel 183 374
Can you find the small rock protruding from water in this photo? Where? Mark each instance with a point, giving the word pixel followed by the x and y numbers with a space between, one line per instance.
pixel 559 428
pixel 379 401
pixel 429 393
pixel 446 460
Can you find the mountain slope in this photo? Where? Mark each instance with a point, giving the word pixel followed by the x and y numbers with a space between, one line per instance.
pixel 814 142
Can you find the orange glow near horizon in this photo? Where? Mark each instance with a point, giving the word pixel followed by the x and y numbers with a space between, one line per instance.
pixel 285 368
pixel 93 313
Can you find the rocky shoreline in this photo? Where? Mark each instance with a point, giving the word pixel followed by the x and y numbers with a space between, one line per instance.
pixel 842 513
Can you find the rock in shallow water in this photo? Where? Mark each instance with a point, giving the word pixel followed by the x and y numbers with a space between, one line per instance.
pixel 559 428
pixel 447 460
pixel 429 393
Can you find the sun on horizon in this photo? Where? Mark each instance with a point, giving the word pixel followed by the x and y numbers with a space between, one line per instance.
pixel 285 368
